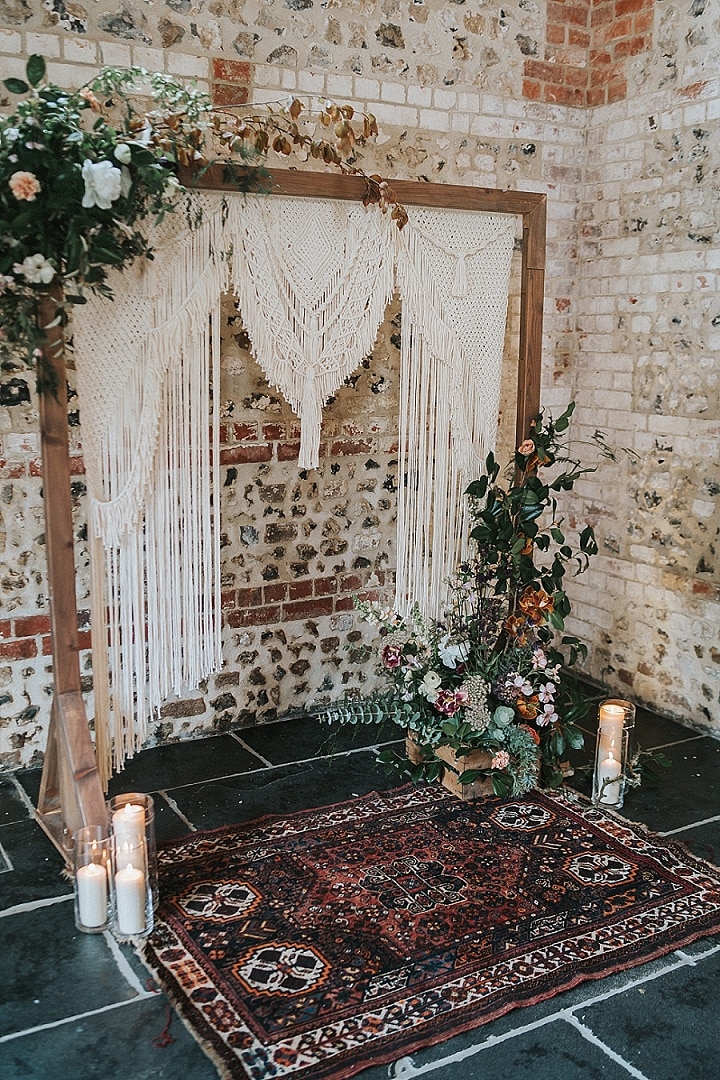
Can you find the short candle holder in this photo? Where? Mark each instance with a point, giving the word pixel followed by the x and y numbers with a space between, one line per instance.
pixel 612 748
pixel 92 878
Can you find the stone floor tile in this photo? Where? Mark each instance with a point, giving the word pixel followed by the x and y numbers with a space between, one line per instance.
pixel 309 737
pixel 553 1051
pixel 281 790
pixel 37 867
pixel 12 806
pixel 117 1044
pixel 52 971
pixel 668 1029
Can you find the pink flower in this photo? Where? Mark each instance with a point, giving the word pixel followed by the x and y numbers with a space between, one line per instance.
pixel 526 448
pixel 501 760
pixel 451 701
pixel 391 656
pixel 24 185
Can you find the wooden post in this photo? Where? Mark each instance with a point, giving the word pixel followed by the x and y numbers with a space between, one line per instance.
pixel 71 793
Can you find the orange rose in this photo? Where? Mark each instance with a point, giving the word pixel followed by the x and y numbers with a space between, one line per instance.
pixel 528 707
pixel 536 604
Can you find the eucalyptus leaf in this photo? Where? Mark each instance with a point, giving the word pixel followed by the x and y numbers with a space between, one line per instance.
pixel 16 86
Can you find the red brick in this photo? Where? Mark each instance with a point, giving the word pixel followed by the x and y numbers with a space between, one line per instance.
pixel 277 591
pixel 77 467
pixel 5 628
pixel 344 603
pixel 539 69
pixel 644 23
pixel 630 47
pixel 577 15
pixel 563 95
pixel 626 7
pixel 32 625
pixel 273 432
pixel 693 90
pixel 617 89
pixel 308 609
pixel 325 586
pixel 300 589
pixel 288 451
pixel 601 15
pixel 351 583
pixel 11 470
pixel 228 600
pixel 234 71
pixel 600 58
pixel 575 76
pixel 23 649
pixel 556 34
pixel 225 95
pixel 531 90
pixel 596 95
pixel 84 639
pixel 350 447
pixel 577 37
pixel 238 432
pixel 254 616
pixel 245 455
pixel 249 598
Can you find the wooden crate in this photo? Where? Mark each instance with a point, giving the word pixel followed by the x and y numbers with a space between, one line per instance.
pixel 476 759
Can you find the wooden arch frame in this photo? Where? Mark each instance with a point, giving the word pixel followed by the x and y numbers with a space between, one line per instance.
pixel 71 793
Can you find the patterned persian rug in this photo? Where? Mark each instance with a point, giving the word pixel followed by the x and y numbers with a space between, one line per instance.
pixel 314 945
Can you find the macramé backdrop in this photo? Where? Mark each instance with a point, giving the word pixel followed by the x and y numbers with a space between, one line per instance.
pixel 313 278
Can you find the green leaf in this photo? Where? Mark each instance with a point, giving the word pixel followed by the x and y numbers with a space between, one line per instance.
pixel 35 69
pixel 16 86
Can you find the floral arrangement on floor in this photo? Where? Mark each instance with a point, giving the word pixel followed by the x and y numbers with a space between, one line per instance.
pixel 491 675
pixel 80 171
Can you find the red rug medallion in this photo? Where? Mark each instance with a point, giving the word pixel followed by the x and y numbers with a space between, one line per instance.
pixel 314 945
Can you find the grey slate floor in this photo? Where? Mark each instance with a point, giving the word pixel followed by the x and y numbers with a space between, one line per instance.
pixel 78 1007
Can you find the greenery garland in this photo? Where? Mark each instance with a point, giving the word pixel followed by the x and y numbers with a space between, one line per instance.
pixel 81 170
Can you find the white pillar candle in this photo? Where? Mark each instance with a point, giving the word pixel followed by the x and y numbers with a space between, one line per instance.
pixel 609 769
pixel 92 894
pixel 612 719
pixel 130 892
pixel 128 824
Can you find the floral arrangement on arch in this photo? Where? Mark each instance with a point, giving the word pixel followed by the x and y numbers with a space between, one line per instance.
pixel 80 170
pixel 491 674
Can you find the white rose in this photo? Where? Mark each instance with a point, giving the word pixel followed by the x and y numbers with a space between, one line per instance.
pixel 123 153
pixel 36 269
pixel 453 654
pixel 430 685
pixel 103 184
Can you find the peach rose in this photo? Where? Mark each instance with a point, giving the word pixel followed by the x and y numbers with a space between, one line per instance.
pixel 24 185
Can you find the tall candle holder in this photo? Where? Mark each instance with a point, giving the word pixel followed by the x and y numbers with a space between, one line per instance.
pixel 132 822
pixel 131 909
pixel 612 749
pixel 92 878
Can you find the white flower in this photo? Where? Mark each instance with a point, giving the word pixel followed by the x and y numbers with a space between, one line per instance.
pixel 547 692
pixel 103 184
pixel 451 653
pixel 123 153
pixel 36 269
pixel 12 134
pixel 548 716
pixel 429 686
